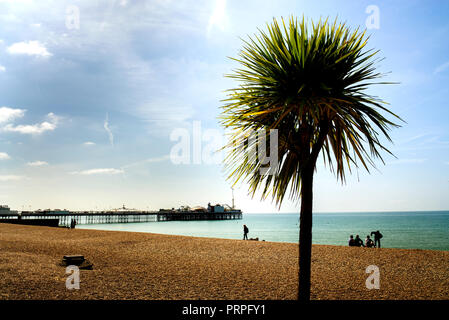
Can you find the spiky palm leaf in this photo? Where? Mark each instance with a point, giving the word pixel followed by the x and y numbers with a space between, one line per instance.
pixel 311 87
pixel 305 84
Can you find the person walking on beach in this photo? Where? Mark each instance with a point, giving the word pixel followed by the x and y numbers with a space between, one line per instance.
pixel 245 232
pixel 377 237
pixel 358 241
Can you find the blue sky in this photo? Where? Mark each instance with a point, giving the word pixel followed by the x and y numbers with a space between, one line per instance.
pixel 87 110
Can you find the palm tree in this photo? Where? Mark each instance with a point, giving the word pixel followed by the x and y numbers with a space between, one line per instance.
pixel 310 86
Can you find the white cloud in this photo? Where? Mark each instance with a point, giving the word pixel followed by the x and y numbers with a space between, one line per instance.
pixel 99 171
pixel 108 130
pixel 4 156
pixel 441 67
pixel 149 160
pixel 218 17
pixel 31 48
pixel 37 163
pixel 89 143
pixel 10 178
pixel 53 118
pixel 35 25
pixel 37 128
pixel 31 129
pixel 8 114
pixel 2 68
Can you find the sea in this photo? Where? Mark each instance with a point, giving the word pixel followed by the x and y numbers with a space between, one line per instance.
pixel 410 230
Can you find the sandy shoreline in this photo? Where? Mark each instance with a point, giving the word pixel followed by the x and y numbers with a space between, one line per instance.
pixel 129 265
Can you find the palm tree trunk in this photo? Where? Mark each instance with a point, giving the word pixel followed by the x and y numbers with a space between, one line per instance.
pixel 305 234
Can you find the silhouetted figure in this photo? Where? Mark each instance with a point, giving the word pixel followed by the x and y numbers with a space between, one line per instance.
pixel 377 237
pixel 351 241
pixel 72 224
pixel 245 232
pixel 369 242
pixel 358 241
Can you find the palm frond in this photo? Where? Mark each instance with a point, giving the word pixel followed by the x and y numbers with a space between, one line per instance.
pixel 309 82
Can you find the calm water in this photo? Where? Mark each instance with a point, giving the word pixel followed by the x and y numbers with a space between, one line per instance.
pixel 422 230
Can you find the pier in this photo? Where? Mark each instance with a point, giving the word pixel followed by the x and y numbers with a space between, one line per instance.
pixel 101 217
pixel 65 217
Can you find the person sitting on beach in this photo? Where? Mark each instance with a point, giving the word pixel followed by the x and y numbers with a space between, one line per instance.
pixel 369 242
pixel 245 232
pixel 377 237
pixel 351 241
pixel 358 241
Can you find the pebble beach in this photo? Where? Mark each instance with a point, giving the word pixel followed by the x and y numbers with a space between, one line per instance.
pixel 136 266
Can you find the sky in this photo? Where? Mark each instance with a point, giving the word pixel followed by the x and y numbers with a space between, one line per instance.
pixel 95 97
